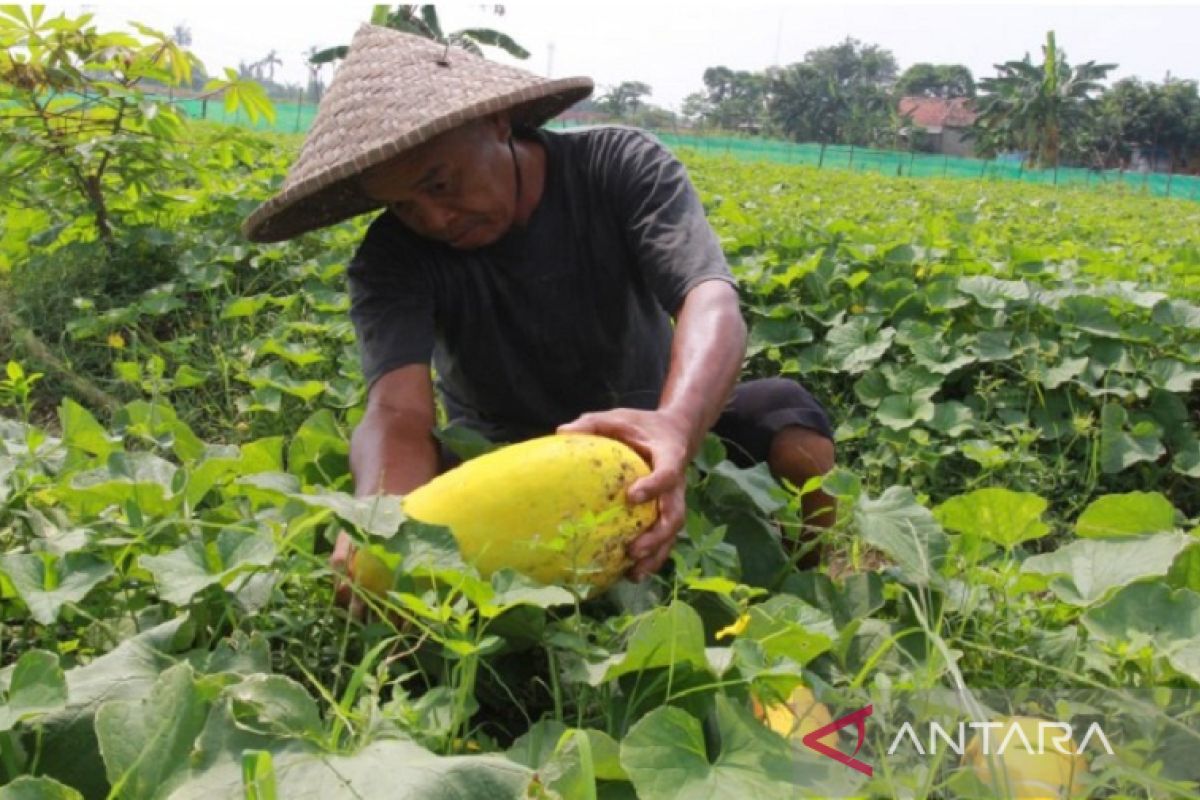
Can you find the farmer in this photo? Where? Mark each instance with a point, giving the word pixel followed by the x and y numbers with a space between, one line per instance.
pixel 538 273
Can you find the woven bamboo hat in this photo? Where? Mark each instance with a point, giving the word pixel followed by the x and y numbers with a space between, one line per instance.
pixel 395 91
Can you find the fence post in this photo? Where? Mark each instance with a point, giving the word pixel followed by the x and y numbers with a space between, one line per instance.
pixel 911 155
pixel 299 106
pixel 821 157
pixel 945 163
pixel 850 166
pixel 1170 175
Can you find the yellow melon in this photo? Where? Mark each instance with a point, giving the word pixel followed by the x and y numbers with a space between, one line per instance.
pixel 799 716
pixel 1026 774
pixel 552 508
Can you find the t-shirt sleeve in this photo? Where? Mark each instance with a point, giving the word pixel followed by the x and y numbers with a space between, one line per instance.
pixel 391 306
pixel 664 219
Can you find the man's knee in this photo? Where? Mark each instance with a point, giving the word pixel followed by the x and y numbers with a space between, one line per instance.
pixel 799 453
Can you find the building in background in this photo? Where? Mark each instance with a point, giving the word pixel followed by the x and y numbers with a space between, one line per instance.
pixel 938 125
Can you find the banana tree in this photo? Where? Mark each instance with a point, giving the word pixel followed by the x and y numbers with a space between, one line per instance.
pixel 423 21
pixel 1031 107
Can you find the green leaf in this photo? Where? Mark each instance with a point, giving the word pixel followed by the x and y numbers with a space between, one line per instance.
pixel 666 757
pixel 1122 447
pixel 29 788
pixel 787 627
pixel 905 531
pixel 82 431
pixel 37 687
pixel 143 478
pixel 275 706
pixel 397 769
pixel 70 752
pixel 992 292
pixel 662 637
pixel 158 422
pixel 1152 613
pixel 768 332
pixel 511 589
pixel 752 483
pixel 901 411
pixel 998 515
pixel 1172 375
pixel 46 582
pixel 856 345
pixel 464 442
pixel 319 449
pixel 1085 571
pixel 183 572
pixel 145 742
pixel 245 306
pixel 952 419
pixel 380 515
pixel 1126 515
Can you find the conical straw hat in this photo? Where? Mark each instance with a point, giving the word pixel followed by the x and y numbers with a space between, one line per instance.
pixel 393 92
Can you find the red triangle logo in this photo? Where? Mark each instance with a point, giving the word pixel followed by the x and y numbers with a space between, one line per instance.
pixel 858 719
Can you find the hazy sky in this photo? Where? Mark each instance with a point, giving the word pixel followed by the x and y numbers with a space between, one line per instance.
pixel 669 45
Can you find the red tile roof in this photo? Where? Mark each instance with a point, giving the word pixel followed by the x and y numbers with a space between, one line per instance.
pixel 937 112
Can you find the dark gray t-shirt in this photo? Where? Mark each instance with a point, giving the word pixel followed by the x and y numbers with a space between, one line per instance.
pixel 569 314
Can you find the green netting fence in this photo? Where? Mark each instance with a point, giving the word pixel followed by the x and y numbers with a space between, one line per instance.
pixel 297 117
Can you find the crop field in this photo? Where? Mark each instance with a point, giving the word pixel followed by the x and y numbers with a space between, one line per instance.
pixel 1014 376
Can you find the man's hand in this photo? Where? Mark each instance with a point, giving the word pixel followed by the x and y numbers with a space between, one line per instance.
pixel 341 560
pixel 663 440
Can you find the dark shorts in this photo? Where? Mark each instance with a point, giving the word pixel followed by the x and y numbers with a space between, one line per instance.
pixel 756 411
pixel 760 409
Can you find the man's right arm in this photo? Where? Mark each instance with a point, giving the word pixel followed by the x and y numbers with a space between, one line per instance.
pixel 392 451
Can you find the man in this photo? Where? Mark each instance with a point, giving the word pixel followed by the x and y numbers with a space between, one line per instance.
pixel 538 273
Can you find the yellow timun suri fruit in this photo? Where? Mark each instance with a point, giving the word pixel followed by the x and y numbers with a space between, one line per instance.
pixel 552 508
pixel 1040 773
pixel 798 716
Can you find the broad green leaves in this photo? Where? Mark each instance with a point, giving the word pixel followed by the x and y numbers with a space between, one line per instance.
pixel 1084 572
pixel 905 531
pixel 1151 614
pixel 667 758
pixel 47 582
pixel 1115 515
pixel 998 515
pixel 200 563
pixel 36 687
pixel 144 742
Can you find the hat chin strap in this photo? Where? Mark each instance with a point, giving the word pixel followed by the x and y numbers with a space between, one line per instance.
pixel 517 175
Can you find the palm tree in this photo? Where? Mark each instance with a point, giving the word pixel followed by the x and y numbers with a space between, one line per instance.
pixel 269 63
pixel 423 21
pixel 1032 107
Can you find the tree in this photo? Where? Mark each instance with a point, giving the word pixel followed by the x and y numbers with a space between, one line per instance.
pixel 182 35
pixel 268 64
pixel 1160 118
pixel 1033 108
pixel 936 80
pixel 316 87
pixel 623 99
pixel 423 21
pixel 837 94
pixel 732 99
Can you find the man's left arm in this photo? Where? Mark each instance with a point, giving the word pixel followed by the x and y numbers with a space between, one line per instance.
pixel 706 357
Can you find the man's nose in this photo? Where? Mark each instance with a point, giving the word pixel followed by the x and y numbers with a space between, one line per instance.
pixel 439 221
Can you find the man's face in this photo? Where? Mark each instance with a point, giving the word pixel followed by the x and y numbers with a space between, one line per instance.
pixel 457 188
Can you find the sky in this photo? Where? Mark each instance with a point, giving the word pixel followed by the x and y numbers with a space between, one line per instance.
pixel 668 45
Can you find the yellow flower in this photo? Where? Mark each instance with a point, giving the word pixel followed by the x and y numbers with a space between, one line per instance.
pixel 116 341
pixel 736 628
